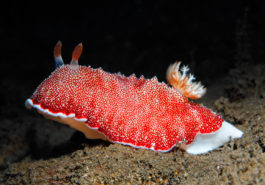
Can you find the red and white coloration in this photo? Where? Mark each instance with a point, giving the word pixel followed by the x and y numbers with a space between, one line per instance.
pixel 139 112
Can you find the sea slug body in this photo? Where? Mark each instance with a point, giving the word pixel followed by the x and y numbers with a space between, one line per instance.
pixel 139 112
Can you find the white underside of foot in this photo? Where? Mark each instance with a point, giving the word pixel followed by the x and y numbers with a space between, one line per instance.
pixel 204 143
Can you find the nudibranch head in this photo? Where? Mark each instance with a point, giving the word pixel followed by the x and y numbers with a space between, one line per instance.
pixel 139 112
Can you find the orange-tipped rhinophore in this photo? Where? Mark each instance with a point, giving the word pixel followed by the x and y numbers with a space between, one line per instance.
pixel 76 54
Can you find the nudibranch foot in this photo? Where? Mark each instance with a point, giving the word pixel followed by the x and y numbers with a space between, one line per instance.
pixel 139 112
pixel 78 124
pixel 204 143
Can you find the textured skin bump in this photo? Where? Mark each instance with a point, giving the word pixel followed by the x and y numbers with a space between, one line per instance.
pixel 127 110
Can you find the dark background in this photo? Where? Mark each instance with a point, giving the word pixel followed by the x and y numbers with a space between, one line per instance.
pixel 136 36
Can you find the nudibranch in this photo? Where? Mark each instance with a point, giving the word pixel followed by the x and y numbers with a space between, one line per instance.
pixel 139 112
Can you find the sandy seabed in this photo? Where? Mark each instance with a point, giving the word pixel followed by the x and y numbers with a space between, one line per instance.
pixel 39 151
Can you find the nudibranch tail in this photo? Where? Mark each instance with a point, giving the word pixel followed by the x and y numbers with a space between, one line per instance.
pixel 204 143
pixel 57 54
pixel 179 79
pixel 76 54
